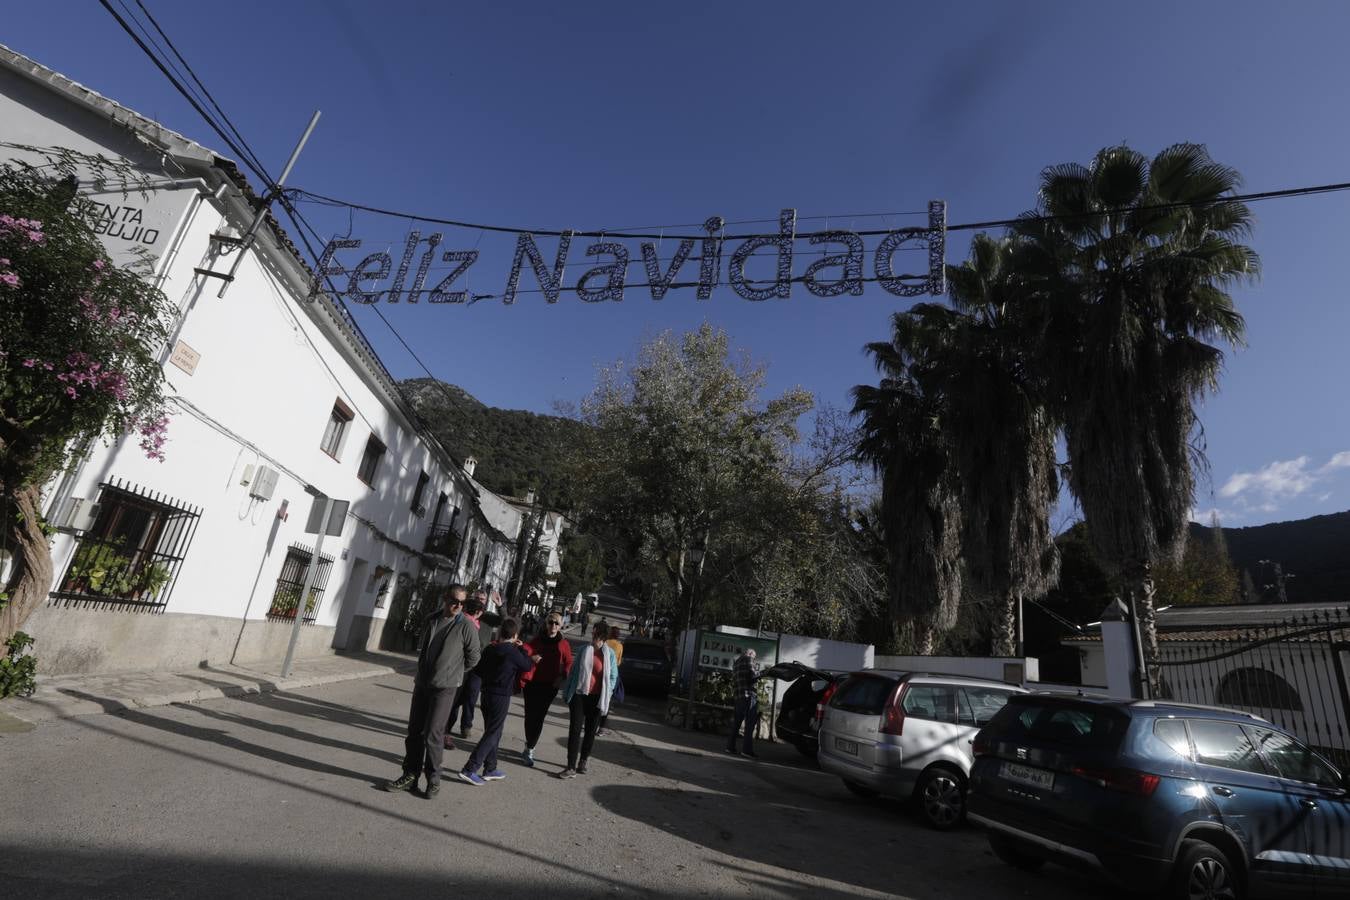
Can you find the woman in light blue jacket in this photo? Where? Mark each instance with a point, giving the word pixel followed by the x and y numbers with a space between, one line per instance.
pixel 590 685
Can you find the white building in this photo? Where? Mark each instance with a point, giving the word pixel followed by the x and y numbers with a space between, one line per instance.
pixel 270 394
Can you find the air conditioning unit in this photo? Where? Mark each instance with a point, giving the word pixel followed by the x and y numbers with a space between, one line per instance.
pixel 264 483
pixel 79 514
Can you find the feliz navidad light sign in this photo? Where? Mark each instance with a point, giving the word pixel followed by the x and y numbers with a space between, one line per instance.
pixel 378 277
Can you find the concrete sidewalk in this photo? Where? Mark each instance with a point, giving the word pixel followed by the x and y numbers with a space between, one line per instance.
pixel 65 696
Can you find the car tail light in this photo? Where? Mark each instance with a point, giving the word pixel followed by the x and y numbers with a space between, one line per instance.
pixel 893 719
pixel 983 744
pixel 1125 781
pixel 825 699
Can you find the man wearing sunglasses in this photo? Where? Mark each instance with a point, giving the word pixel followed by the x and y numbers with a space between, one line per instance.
pixel 448 648
pixel 555 660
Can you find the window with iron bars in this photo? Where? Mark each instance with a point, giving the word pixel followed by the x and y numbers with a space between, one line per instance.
pixel 286 596
pixel 132 554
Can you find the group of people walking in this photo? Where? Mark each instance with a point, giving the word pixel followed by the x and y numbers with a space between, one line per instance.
pixel 455 670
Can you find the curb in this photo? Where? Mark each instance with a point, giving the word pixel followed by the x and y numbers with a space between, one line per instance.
pixel 47 711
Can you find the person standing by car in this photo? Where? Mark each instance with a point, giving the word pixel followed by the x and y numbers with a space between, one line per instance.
pixel 744 672
pixel 617 646
pixel 448 648
pixel 590 687
pixel 555 662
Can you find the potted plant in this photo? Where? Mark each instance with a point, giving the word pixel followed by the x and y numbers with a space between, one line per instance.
pixel 99 569
pixel 150 579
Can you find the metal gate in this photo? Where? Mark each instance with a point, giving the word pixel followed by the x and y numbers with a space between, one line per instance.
pixel 1291 673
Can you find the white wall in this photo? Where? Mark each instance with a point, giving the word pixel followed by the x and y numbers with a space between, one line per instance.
pixel 993 668
pixel 818 653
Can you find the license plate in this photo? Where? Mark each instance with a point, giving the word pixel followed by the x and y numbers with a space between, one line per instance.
pixel 850 747
pixel 1037 778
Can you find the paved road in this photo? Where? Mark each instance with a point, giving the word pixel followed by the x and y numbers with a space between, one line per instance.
pixel 277 796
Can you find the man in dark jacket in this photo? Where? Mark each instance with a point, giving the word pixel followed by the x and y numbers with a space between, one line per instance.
pixel 502 664
pixel 448 648
pixel 555 661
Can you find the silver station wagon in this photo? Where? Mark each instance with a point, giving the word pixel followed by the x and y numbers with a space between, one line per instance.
pixel 908 735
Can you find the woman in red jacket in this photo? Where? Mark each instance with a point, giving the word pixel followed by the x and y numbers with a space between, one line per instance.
pixel 555 661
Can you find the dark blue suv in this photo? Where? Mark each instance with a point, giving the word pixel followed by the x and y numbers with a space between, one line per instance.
pixel 1179 800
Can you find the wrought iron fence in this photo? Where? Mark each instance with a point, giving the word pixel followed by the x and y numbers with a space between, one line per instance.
pixel 131 553
pixel 286 596
pixel 1292 673
pixel 444 541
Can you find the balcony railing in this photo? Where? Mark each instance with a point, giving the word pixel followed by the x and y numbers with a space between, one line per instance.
pixel 443 541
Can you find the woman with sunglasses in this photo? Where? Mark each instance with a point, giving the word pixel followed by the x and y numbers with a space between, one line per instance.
pixel 555 661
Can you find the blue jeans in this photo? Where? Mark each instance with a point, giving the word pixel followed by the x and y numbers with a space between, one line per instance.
pixel 747 711
pixel 484 756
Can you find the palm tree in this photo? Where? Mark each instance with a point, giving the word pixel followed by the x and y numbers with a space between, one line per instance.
pixel 903 437
pixel 1134 258
pixel 1003 437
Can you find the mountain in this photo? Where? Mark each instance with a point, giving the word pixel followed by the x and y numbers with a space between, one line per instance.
pixel 516 450
pixel 1313 554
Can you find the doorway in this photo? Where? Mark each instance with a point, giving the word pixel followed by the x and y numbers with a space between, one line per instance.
pixel 346 637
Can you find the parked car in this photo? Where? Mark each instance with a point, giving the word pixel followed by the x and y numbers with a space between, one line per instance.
pixel 646 666
pixel 803 703
pixel 1187 801
pixel 908 735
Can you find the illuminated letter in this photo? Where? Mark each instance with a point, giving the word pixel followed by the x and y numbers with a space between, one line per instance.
pixel 324 271
pixel 423 264
pixel 852 261
pixel 710 262
pixel 465 258
pixel 655 280
pixel 373 268
pixel 414 238
pixel 551 284
pixel 934 238
pixel 614 274
pixel 782 286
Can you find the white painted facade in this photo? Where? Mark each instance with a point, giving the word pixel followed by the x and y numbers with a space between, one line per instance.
pixel 269 369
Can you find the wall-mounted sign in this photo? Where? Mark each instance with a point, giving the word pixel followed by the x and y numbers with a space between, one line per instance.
pixel 717 651
pixel 184 357
pixel 840 266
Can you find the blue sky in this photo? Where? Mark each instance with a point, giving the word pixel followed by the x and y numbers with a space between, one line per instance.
pixel 608 115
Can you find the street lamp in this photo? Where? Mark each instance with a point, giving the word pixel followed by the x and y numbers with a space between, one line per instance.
pixel 695 556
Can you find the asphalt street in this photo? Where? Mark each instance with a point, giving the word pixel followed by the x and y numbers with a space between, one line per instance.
pixel 278 795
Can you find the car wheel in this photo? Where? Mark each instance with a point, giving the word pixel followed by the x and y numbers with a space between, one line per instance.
pixel 1015 853
pixel 860 790
pixel 1204 872
pixel 942 798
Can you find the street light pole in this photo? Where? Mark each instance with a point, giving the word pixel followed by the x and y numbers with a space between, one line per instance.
pixel 696 559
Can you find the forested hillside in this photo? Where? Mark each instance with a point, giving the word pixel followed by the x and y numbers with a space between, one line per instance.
pixel 516 450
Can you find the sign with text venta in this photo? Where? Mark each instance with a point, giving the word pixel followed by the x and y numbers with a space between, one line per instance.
pixel 717 652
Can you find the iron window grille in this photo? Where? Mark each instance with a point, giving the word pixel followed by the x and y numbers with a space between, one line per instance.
pixel 370 461
pixel 422 479
pixel 336 429
pixel 131 556
pixel 286 596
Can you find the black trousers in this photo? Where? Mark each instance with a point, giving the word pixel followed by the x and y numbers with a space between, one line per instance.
pixel 581 728
pixel 538 698
pixel 465 700
pixel 427 717
pixel 484 756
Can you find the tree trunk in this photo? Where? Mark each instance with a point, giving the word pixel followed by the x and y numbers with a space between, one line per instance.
pixel 30 579
pixel 1004 639
pixel 927 639
pixel 1143 590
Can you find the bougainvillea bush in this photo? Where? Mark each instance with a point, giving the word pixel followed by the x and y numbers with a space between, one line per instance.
pixel 80 340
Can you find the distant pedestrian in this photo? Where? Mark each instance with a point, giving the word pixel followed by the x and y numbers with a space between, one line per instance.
pixel 617 646
pixel 744 672
pixel 555 662
pixel 590 687
pixel 447 649
pixel 502 665
pixel 467 696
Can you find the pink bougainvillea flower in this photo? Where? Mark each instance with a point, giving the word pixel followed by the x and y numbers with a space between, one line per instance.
pixel 10 278
pixel 29 363
pixel 71 392
pixel 98 265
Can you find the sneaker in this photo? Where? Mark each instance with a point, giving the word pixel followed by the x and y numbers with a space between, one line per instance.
pixel 581 767
pixel 433 788
pixel 405 782
pixel 494 775
pixel 733 751
pixel 569 772
pixel 602 732
pixel 528 757
pixel 752 754
pixel 472 778
pixel 464 733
